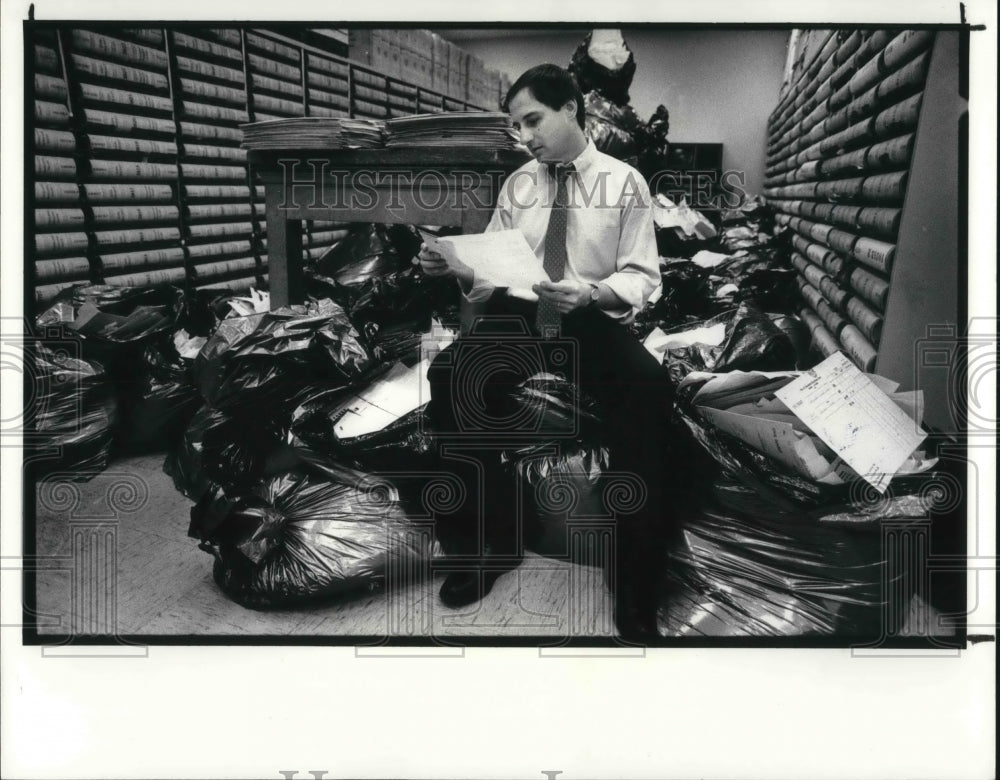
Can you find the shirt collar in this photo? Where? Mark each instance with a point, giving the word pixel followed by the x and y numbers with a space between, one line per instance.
pixel 581 162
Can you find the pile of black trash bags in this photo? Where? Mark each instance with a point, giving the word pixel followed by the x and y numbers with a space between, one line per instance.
pixel 603 67
pixel 252 405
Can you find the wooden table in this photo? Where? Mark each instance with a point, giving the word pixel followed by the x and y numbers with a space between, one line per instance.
pixel 425 186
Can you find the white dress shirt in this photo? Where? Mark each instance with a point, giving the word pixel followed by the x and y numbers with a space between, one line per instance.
pixel 609 234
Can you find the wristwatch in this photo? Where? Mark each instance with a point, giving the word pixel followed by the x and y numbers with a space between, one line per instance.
pixel 595 293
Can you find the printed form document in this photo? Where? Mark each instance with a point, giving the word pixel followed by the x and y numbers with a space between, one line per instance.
pixel 858 421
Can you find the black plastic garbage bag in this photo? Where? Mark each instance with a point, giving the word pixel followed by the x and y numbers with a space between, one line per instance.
pixel 772 289
pixel 612 128
pixel 306 535
pixel 255 359
pixel 342 425
pixel 752 343
pixel 798 333
pixel 686 292
pixel 611 82
pixel 563 507
pixel 114 324
pixel 368 252
pixel 394 311
pixel 70 412
pixel 748 565
pixel 653 144
pixel 559 478
pixel 228 448
pixel 159 403
pixel 767 553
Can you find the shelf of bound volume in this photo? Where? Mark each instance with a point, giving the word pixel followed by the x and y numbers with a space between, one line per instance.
pixel 139 178
pixel 862 159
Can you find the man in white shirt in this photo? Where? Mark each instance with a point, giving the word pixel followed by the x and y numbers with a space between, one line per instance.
pixel 588 218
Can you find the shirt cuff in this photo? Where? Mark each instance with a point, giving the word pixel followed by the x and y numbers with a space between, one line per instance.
pixel 626 289
pixel 479 292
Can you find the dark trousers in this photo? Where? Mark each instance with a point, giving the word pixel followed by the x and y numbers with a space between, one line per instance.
pixel 472 382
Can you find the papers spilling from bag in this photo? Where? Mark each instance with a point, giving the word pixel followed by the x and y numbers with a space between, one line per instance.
pixel 402 390
pixel 687 222
pixel 831 424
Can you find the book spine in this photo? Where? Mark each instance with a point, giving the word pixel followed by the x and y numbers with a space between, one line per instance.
pixel 119 169
pixel 885 188
pixel 59 219
pixel 54 167
pixel 211 132
pixel 220 191
pixel 147 278
pixel 225 153
pixel 104 143
pixel 217 210
pixel 47 113
pixel 199 68
pixel 214 92
pixel 191 43
pixel 56 192
pixel 66 268
pixel 214 171
pixel 220 250
pixel 871 287
pixel 114 71
pixel 113 48
pixel 108 193
pixel 226 267
pixel 137 236
pixel 858 349
pixel 54 141
pixel 220 231
pixel 50 87
pixel 867 321
pixel 126 123
pixel 60 243
pixel 898 119
pixel 113 215
pixel 875 254
pixel 150 258
pixel 213 113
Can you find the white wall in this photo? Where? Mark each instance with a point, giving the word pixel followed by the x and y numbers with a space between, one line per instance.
pixel 719 86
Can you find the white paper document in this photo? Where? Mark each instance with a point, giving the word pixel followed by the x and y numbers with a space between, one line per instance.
pixel 658 342
pixel 854 417
pixel 502 257
pixel 396 394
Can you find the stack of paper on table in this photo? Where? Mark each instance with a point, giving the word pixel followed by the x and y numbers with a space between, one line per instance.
pixel 313 132
pixel 483 129
pixel 830 424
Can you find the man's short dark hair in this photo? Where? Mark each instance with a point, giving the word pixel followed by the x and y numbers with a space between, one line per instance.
pixel 551 85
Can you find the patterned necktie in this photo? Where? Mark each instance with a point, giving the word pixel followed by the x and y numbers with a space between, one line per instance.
pixel 548 318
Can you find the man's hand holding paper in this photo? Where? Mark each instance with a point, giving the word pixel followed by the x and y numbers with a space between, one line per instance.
pixel 565 295
pixel 502 258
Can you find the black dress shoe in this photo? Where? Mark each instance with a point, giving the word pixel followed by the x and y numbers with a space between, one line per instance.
pixel 636 631
pixel 461 588
pixel 637 622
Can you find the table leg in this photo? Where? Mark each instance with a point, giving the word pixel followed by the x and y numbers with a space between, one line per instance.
pixel 284 251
